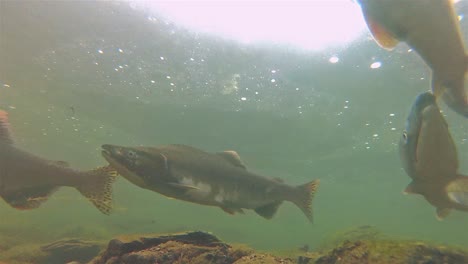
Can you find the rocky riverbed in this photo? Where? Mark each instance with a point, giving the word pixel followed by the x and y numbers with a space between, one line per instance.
pixel 358 246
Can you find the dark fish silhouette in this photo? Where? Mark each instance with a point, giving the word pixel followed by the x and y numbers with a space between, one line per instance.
pixel 429 157
pixel 220 179
pixel 432 29
pixel 27 180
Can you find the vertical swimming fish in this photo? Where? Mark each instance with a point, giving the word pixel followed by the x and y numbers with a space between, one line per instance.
pixel 429 157
pixel 27 180
pixel 215 179
pixel 432 29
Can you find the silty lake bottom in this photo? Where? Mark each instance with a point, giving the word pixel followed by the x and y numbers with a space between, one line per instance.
pixel 76 75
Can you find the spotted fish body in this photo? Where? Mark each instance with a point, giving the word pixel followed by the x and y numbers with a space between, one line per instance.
pixel 27 180
pixel 215 179
pixel 431 28
pixel 429 157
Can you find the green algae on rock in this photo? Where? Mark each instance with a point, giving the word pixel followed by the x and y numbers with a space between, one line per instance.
pixel 391 252
pixel 192 247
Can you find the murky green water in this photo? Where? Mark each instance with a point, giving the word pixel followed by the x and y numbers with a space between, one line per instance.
pixel 76 75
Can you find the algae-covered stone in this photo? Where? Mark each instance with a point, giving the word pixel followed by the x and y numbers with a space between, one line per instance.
pixel 263 259
pixel 192 247
pixel 391 252
pixel 67 250
pixel 364 232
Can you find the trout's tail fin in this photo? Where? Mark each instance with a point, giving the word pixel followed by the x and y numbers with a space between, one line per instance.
pixel 303 197
pixel 98 189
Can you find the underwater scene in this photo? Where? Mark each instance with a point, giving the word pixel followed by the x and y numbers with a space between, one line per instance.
pixel 291 115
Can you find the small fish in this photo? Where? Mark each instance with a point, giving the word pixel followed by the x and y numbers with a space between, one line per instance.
pixel 27 180
pixel 432 29
pixel 215 179
pixel 429 157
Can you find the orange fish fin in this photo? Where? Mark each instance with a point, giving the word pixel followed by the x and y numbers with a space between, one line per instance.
pixel 232 157
pixel 303 196
pixel 29 198
pixel 5 132
pixel 441 213
pixel 384 38
pixel 98 188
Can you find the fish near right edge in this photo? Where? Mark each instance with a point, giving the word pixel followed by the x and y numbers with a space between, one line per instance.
pixel 429 157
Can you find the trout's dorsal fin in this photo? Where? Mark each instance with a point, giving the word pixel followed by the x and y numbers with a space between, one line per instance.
pixel 384 38
pixel 232 157
pixel 5 133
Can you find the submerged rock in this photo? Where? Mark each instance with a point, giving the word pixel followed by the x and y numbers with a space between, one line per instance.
pixel 70 250
pixel 391 252
pixel 192 247
pixel 363 232
pixel 200 248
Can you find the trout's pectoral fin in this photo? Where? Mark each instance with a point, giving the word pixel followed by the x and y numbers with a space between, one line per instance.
pixel 232 157
pixel 441 213
pixel 183 186
pixel 232 211
pixel 268 211
pixel 384 38
pixel 29 198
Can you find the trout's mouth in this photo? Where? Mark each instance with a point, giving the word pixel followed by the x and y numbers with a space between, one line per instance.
pixel 109 152
pixel 107 149
pixel 113 155
pixel 105 153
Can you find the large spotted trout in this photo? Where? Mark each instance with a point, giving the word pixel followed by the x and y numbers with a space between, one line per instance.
pixel 215 179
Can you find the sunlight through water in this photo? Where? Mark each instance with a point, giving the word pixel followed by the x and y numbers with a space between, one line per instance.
pixel 312 25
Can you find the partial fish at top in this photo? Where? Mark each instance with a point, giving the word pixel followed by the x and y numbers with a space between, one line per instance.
pixel 215 179
pixel 432 29
pixel 27 180
pixel 429 157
